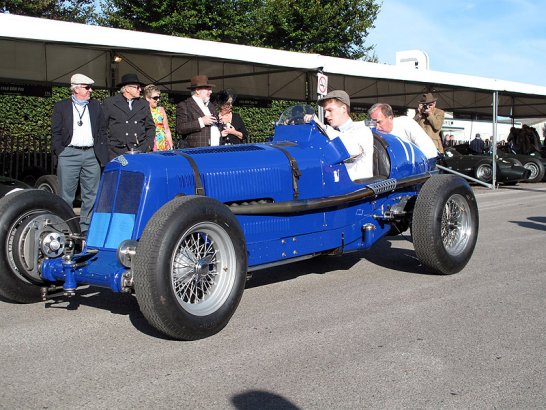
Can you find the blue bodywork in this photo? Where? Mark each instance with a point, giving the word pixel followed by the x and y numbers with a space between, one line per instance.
pixel 300 164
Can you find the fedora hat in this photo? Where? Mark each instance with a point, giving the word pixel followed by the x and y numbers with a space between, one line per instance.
pixel 130 78
pixel 200 81
pixel 427 98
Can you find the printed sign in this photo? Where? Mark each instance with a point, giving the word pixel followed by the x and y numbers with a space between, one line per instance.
pixel 322 84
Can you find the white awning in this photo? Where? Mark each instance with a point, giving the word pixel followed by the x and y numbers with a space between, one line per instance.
pixel 41 51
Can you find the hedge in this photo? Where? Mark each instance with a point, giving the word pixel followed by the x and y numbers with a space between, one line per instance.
pixel 28 119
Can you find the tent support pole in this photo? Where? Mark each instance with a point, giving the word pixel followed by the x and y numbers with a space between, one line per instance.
pixel 494 142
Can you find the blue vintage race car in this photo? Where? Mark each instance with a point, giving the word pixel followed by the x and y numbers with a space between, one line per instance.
pixel 183 230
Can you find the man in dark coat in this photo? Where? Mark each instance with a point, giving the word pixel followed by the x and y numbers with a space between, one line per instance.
pixel 79 144
pixel 477 145
pixel 128 119
pixel 196 118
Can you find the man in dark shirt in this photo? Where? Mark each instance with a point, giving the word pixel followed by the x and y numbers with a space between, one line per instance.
pixel 128 119
pixel 477 145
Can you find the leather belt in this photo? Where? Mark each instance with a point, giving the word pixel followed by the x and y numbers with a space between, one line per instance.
pixel 82 148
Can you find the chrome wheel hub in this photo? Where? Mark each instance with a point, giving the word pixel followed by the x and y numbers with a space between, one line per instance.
pixel 203 268
pixel 456 228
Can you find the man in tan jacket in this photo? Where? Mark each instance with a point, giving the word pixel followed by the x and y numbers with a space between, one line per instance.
pixel 431 119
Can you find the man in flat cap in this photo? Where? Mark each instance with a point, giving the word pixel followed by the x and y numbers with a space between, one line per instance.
pixel 356 137
pixel 431 119
pixel 78 140
pixel 128 119
pixel 196 118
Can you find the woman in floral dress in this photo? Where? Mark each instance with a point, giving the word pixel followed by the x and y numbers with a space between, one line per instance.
pixel 163 138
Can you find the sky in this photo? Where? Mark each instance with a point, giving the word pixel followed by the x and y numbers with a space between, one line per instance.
pixel 501 39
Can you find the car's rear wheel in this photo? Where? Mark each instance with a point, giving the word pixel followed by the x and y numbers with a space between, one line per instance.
pixel 33 225
pixel 190 268
pixel 445 224
pixel 537 169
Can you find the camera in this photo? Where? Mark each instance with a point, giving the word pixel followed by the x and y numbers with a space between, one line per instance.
pixel 425 106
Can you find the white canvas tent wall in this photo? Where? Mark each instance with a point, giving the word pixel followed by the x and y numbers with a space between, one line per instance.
pixel 48 52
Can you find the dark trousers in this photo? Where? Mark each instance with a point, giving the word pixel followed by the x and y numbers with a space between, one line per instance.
pixel 79 166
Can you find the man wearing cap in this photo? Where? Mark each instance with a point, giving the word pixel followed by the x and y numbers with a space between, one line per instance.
pixel 403 127
pixel 128 119
pixel 431 119
pixel 196 117
pixel 79 144
pixel 356 137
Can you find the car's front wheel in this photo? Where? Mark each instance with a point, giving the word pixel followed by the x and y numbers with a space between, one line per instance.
pixel 445 224
pixel 34 225
pixel 484 171
pixel 190 268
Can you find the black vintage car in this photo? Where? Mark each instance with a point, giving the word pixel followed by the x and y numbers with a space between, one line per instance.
pixel 9 185
pixel 535 162
pixel 481 167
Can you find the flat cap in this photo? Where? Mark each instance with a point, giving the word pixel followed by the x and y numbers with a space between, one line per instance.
pixel 336 95
pixel 81 79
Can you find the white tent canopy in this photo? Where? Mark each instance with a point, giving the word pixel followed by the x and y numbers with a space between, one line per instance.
pixel 48 52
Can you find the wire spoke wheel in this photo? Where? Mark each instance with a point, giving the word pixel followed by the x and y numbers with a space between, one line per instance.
pixel 190 267
pixel 203 268
pixel 456 228
pixel 445 224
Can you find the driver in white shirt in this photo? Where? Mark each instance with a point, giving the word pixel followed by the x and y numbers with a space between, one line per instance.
pixel 356 137
pixel 402 127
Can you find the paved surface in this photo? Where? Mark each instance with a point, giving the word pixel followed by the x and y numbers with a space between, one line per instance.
pixel 368 330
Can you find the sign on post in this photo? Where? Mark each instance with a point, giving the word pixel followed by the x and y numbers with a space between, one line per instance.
pixel 322 90
pixel 322 84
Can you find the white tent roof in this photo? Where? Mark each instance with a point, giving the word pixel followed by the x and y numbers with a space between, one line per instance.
pixel 41 51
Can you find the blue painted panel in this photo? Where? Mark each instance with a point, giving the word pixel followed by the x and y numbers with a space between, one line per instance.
pixel 121 228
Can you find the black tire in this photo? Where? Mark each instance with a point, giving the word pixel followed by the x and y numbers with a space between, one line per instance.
pixel 484 171
pixel 177 284
pixel 23 217
pixel 445 224
pixel 537 169
pixel 48 183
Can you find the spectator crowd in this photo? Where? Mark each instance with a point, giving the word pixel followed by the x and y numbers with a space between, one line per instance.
pixel 85 134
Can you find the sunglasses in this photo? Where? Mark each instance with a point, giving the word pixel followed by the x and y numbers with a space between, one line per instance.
pixel 87 87
pixel 157 97
pixel 138 87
